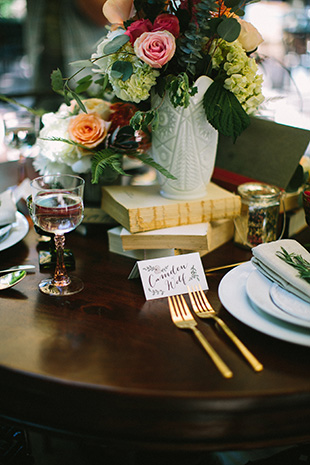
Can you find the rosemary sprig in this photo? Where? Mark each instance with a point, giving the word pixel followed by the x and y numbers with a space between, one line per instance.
pixel 297 261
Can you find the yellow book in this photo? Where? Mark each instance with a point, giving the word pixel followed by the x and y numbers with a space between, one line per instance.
pixel 199 236
pixel 142 208
pixel 219 232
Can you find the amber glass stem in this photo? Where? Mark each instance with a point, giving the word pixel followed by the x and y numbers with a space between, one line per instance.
pixel 61 277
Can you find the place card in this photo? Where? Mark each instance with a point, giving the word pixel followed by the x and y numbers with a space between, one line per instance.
pixel 166 276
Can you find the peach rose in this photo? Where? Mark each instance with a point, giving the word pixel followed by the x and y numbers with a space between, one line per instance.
pixel 118 11
pixel 155 48
pixel 249 36
pixel 88 129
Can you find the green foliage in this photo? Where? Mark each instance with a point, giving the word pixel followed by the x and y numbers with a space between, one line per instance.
pixel 57 80
pixel 224 111
pixel 296 261
pixel 180 91
pixel 84 84
pixel 21 105
pixel 121 70
pixel 143 120
pixel 102 160
pixel 115 44
pixel 228 29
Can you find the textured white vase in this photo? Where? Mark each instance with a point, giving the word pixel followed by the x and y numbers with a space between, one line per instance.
pixel 185 144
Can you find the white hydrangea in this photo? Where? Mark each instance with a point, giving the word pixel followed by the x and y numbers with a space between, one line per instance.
pixel 138 86
pixel 56 156
pixel 241 70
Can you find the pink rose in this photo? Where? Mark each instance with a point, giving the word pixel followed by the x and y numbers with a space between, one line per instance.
pixel 249 36
pixel 137 28
pixel 88 129
pixel 155 48
pixel 167 22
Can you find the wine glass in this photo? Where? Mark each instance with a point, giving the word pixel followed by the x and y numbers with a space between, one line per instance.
pixel 57 207
pixel 20 132
pixel 21 129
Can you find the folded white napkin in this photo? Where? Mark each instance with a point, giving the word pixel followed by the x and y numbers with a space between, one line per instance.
pixel 287 276
pixel 7 208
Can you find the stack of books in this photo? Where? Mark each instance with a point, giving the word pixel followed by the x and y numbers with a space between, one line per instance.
pixel 151 226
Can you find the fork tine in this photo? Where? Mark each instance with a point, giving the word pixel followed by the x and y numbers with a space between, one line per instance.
pixel 175 315
pixel 204 298
pixel 195 300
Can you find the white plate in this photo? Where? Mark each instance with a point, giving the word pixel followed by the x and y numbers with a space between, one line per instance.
pixel 291 304
pixel 232 294
pixel 258 289
pixel 17 233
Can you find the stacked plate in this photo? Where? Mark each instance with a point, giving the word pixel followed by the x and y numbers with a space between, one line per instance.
pixel 263 305
pixel 14 232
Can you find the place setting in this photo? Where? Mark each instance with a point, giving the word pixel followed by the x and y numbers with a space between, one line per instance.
pixel 13 224
pixel 268 294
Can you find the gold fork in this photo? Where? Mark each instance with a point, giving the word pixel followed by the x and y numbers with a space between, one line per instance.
pixel 183 319
pixel 204 309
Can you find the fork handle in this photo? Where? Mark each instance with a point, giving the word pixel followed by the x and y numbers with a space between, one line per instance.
pixel 221 365
pixel 256 365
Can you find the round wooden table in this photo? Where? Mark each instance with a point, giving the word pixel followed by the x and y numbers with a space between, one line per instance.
pixel 109 365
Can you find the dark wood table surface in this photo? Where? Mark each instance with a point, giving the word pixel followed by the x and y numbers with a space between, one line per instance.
pixel 109 365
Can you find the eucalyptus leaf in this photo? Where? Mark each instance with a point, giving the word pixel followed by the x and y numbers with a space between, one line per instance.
pixel 85 79
pixel 229 29
pixel 83 87
pixel 238 11
pixel 115 44
pixel 121 70
pixel 79 101
pixel 82 64
pixel 231 3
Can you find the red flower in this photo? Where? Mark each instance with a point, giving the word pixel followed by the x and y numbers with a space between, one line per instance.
pixel 167 22
pixel 121 115
pixel 137 28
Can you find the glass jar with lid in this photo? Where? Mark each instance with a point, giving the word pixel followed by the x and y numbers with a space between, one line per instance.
pixel 259 217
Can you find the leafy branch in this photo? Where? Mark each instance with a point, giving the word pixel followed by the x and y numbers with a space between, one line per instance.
pixel 297 261
pixel 120 69
pixel 21 105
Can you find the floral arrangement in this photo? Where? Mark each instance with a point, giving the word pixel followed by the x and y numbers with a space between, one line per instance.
pixel 75 141
pixel 161 46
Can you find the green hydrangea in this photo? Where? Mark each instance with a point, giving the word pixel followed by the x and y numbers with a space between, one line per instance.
pixel 241 70
pixel 138 86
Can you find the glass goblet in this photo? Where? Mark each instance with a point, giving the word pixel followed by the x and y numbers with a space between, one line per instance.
pixel 20 133
pixel 57 207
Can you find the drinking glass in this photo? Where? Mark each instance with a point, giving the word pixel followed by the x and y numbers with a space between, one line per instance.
pixel 20 133
pixel 57 208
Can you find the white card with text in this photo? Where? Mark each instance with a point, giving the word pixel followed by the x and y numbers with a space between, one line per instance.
pixel 166 276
